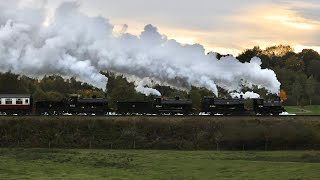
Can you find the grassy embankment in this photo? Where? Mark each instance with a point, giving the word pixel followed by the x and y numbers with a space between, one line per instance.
pixel 132 164
pixel 306 110
pixel 162 133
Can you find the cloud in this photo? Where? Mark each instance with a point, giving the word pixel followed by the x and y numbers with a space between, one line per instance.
pixel 219 25
pixel 308 9
pixel 280 25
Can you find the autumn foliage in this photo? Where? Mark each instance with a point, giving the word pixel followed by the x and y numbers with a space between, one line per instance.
pixel 283 95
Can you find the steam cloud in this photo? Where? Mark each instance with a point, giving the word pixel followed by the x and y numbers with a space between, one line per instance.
pixel 73 44
pixel 247 95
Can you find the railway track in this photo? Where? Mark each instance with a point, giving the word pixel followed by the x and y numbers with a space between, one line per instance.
pixel 165 116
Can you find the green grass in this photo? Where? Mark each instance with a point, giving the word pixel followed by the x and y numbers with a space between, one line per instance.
pixel 306 110
pixel 107 164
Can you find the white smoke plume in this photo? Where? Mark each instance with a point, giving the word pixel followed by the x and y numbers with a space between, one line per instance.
pixel 147 91
pixel 141 85
pixel 73 44
pixel 246 95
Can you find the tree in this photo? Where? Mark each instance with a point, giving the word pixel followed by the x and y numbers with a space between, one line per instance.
pixel 287 78
pixel 89 93
pixel 298 88
pixel 294 63
pixel 313 69
pixel 39 95
pixel 309 55
pixel 122 90
pixel 278 51
pixel 11 84
pixel 310 88
pixel 248 54
pixel 196 98
pixel 53 96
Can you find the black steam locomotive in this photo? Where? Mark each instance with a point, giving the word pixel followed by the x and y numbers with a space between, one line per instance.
pixel 74 105
pixel 240 106
pixel 159 107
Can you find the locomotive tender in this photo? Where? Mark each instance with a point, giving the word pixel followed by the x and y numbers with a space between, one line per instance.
pixel 158 106
pixel 74 105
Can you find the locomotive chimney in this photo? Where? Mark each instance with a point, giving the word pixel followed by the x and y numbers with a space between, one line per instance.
pixel 177 98
pixel 241 96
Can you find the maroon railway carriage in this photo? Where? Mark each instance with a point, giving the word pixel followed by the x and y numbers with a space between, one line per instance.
pixel 15 104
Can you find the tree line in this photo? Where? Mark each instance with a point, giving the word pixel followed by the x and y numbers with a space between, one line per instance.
pixel 298 73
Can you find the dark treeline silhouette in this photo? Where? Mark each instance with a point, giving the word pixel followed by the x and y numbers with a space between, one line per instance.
pixel 299 74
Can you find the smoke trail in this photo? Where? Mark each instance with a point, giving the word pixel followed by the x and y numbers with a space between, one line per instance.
pixel 147 91
pixel 246 95
pixel 74 44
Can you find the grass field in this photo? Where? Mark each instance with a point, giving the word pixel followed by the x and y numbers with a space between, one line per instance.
pixel 306 110
pixel 105 164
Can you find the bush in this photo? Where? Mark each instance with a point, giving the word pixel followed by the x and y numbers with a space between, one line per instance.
pixel 181 133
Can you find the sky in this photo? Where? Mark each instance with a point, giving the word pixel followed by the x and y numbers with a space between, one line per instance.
pixel 227 27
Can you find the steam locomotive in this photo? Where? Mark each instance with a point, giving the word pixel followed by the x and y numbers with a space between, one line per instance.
pixel 74 105
pixel 240 106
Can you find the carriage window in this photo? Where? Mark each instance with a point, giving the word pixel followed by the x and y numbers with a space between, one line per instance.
pixel 27 101
pixel 8 101
pixel 0 101
pixel 19 101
